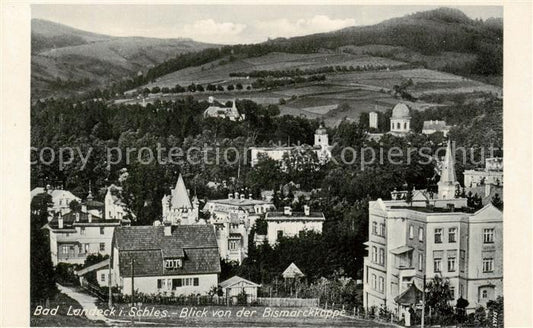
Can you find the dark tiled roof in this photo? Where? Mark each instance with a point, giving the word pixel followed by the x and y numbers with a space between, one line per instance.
pixel 69 220
pixel 148 245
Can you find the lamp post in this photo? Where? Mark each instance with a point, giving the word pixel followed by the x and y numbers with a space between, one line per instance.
pixel 132 263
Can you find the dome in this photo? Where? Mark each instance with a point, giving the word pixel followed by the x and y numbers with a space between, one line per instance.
pixel 400 111
pixel 321 130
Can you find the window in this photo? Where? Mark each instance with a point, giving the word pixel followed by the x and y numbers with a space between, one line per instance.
pixel 86 248
pixel 451 235
pixel 102 277
pixel 382 229
pixel 452 293
pixel 381 256
pixel 176 283
pixel 102 230
pixel 82 231
pixel 172 264
pixel 196 281
pixel 420 234
pixel 232 245
pixel 381 284
pixel 102 247
pixel 64 249
pixel 162 283
pixel 374 254
pixel 462 260
pixel 488 236
pixel 420 262
pixel 488 264
pixel 437 265
pixel 438 236
pixel 374 228
pixel 280 233
pixel 411 232
pixel 451 264
pixel 373 281
pixel 484 293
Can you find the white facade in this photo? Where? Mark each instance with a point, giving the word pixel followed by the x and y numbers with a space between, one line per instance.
pixel 288 224
pixel 178 207
pixel 373 120
pixel 233 219
pixel 61 198
pixel 492 174
pixel 115 208
pixel 190 284
pixel 400 120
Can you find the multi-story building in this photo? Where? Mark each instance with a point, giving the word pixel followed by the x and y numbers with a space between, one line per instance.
pixel 437 235
pixel 115 207
pixel 61 199
pixel 233 219
pixel 400 121
pixel 76 234
pixel 166 259
pixel 178 207
pixel 290 224
pixel 321 148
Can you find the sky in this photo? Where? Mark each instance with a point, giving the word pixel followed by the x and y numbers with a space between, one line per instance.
pixel 229 24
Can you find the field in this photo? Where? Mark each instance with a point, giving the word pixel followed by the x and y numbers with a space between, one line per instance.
pixel 260 318
pixel 342 95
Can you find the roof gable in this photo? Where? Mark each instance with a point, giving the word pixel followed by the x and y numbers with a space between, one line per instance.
pixel 488 213
pixel 292 271
pixel 237 280
pixel 180 196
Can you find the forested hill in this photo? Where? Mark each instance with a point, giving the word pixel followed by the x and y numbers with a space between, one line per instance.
pixel 66 61
pixel 436 32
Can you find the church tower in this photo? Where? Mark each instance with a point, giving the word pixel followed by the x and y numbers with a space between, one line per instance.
pixel 321 137
pixel 448 181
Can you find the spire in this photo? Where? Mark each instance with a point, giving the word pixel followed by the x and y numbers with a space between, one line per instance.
pixel 180 197
pixel 448 167
pixel 448 181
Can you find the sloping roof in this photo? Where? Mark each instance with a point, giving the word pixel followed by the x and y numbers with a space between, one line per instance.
pixel 401 250
pixel 180 196
pixel 292 271
pixel 412 295
pixel 447 175
pixel 69 220
pixel 235 280
pixel 149 246
pixel 97 266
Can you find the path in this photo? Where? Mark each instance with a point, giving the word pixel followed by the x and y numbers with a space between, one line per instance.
pixel 88 303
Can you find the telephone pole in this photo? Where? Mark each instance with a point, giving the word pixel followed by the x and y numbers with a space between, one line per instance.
pixel 132 263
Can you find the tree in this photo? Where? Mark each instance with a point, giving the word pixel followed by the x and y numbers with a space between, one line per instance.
pixel 497 201
pixel 438 296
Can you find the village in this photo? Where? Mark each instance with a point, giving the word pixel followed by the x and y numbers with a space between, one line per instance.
pixel 416 238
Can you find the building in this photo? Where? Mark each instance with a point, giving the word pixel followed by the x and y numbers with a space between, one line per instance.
pixel 178 207
pixel 235 286
pixel 373 120
pixel 101 271
pixel 431 127
pixel 223 112
pixel 491 174
pixel 400 121
pixel 61 198
pixel 165 260
pixel 115 207
pixel 233 219
pixel 433 235
pixel 289 224
pixel 321 147
pixel 77 234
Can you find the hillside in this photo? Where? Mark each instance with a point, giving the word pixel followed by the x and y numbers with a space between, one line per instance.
pixel 67 61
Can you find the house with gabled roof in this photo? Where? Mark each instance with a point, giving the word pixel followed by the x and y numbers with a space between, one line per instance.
pixel 166 259
pixel 235 286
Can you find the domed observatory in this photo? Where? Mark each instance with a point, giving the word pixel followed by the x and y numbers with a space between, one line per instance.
pixel 400 122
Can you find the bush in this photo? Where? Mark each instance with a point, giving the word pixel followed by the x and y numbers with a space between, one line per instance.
pixel 65 274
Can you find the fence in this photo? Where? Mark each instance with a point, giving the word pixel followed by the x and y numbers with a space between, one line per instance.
pixel 292 302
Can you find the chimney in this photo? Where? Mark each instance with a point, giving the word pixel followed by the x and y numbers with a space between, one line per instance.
pixel 243 196
pixel 287 210
pixel 236 195
pixel 89 217
pixel 230 196
pixel 307 210
pixel 77 216
pixel 451 207
pixel 60 221
pixel 167 229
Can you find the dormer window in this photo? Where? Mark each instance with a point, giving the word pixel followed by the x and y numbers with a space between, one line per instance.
pixel 172 264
